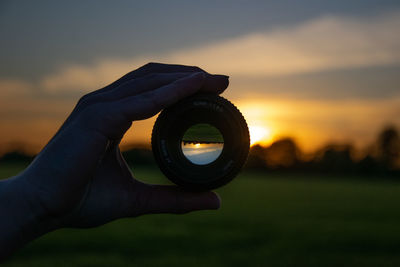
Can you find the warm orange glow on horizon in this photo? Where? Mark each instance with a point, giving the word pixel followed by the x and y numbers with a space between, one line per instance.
pixel 311 123
pixel 315 123
pixel 257 115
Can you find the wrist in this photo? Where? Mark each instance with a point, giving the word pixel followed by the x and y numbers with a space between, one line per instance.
pixel 23 218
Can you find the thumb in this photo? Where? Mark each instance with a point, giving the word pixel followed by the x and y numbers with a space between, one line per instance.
pixel 172 199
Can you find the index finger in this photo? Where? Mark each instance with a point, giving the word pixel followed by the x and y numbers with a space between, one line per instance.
pixel 146 70
pixel 145 105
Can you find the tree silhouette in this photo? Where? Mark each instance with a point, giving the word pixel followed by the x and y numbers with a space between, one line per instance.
pixel 282 153
pixel 336 158
pixel 256 159
pixel 389 148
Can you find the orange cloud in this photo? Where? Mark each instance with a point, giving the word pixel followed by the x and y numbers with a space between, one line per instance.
pixel 10 88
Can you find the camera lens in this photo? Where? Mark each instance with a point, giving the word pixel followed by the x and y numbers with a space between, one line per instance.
pixel 201 142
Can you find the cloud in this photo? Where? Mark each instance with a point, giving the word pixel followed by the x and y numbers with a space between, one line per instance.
pixel 10 88
pixel 84 78
pixel 321 44
pixel 325 43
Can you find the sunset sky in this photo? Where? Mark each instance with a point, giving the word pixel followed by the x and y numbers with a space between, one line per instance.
pixel 319 71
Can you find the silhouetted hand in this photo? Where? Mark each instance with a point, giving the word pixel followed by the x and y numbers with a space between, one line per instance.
pixel 80 178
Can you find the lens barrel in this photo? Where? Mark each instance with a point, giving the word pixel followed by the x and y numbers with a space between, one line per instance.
pixel 195 111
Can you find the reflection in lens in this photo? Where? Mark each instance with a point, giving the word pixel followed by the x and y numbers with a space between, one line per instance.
pixel 202 144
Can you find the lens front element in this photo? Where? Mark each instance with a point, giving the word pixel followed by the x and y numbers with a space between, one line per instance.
pixel 202 144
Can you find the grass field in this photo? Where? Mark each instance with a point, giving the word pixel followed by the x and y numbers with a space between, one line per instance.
pixel 203 133
pixel 265 220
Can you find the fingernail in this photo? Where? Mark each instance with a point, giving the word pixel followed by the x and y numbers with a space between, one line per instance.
pixel 221 76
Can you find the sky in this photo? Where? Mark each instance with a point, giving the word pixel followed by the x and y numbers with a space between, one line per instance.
pixel 318 71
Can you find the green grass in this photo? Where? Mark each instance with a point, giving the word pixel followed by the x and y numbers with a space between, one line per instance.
pixel 265 220
pixel 203 132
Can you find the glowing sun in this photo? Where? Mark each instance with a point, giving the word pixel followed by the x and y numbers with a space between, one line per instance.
pixel 259 134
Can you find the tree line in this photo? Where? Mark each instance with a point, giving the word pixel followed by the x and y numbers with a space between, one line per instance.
pixel 382 157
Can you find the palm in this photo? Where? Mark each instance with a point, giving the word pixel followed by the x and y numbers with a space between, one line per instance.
pixel 109 193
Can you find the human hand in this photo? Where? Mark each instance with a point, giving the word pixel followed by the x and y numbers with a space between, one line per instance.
pixel 80 178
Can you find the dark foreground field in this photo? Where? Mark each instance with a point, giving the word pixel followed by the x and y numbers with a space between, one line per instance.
pixel 275 220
